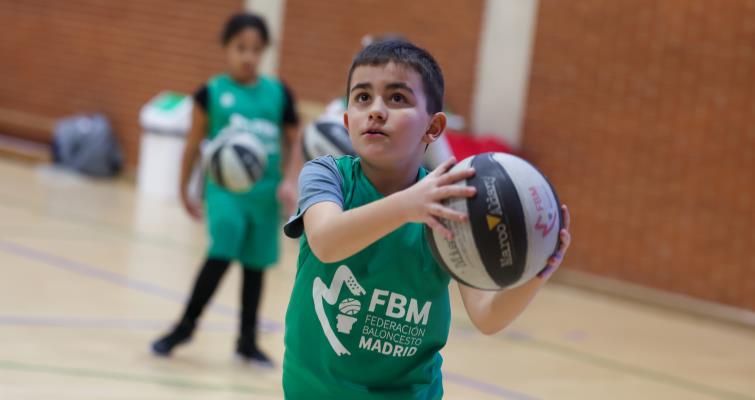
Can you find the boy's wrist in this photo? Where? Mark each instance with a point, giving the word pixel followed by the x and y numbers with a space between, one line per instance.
pixel 399 205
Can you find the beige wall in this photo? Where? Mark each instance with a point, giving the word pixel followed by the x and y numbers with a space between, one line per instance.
pixel 503 68
pixel 320 38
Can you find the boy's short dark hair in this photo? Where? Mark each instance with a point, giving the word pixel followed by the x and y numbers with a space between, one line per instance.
pixel 238 22
pixel 404 53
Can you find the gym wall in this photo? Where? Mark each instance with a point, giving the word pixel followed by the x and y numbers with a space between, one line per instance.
pixel 641 111
pixel 320 38
pixel 66 57
pixel 642 114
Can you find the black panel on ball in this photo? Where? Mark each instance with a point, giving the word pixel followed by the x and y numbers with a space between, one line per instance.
pixel 497 221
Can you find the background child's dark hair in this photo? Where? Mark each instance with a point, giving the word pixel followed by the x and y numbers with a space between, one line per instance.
pixel 241 21
pixel 405 53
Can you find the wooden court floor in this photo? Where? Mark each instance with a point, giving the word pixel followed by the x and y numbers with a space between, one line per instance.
pixel 91 274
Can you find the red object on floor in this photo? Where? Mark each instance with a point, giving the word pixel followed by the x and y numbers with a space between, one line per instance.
pixel 464 145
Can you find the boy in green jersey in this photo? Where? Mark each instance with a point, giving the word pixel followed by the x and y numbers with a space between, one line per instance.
pixel 370 311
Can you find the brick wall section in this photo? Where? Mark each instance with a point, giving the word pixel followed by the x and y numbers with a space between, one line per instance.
pixel 75 56
pixel 321 37
pixel 643 113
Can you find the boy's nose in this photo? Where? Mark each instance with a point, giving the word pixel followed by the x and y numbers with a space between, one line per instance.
pixel 377 111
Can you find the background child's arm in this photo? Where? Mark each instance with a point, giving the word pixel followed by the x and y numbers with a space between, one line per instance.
pixel 291 163
pixel 490 311
pixel 334 234
pixel 191 152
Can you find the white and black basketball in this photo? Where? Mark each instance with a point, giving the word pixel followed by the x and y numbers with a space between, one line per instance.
pixel 326 136
pixel 236 162
pixel 512 229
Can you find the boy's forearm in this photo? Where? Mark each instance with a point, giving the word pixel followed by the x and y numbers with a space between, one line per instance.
pixel 491 312
pixel 340 236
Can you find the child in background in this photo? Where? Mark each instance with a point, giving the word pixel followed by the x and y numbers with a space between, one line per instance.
pixel 241 226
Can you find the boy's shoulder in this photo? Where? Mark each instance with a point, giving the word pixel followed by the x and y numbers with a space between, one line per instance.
pixel 342 164
pixel 344 159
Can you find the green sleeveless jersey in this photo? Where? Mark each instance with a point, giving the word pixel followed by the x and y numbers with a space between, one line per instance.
pixel 245 226
pixel 370 326
pixel 254 109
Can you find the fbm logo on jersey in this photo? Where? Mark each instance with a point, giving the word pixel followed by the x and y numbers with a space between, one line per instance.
pixel 395 325
pixel 397 306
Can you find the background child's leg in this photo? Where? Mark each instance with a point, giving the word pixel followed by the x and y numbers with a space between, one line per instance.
pixel 205 285
pixel 251 293
pixel 250 297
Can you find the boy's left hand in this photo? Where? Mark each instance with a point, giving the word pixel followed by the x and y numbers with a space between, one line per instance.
pixel 555 260
pixel 287 196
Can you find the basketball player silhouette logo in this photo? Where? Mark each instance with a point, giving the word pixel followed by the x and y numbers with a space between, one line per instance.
pixel 322 293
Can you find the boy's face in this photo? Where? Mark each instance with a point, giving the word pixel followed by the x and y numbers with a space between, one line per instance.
pixel 387 115
pixel 244 52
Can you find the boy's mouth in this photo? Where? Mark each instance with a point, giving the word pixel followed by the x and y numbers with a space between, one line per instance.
pixel 374 132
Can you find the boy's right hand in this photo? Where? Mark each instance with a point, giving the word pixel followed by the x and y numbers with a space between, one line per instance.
pixel 423 200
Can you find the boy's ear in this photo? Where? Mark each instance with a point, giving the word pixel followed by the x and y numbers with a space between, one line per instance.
pixel 346 120
pixel 435 128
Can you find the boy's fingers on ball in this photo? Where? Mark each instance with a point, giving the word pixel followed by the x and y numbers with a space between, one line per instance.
pixel 554 261
pixel 546 271
pixel 565 239
pixel 456 176
pixel 469 191
pixel 445 166
pixel 444 212
pixel 448 191
pixel 435 225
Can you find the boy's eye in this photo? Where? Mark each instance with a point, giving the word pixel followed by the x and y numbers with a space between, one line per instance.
pixel 398 98
pixel 362 97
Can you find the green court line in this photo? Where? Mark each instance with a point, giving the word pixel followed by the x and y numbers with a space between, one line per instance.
pixel 136 378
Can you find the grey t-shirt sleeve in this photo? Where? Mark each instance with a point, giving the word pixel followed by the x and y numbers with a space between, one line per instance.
pixel 319 181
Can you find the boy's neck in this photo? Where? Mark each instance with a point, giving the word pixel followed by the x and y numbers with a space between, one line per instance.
pixel 389 180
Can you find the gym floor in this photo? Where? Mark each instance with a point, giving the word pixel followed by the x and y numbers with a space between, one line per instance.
pixel 92 274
